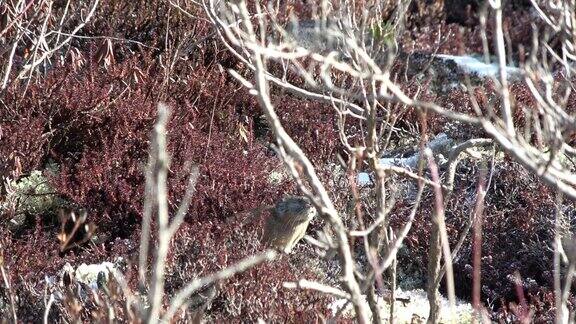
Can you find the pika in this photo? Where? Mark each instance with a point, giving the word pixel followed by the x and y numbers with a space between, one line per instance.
pixel 287 223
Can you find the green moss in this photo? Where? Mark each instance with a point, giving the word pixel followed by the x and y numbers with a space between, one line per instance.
pixel 383 32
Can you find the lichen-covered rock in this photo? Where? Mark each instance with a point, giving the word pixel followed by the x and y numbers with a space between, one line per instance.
pixel 30 195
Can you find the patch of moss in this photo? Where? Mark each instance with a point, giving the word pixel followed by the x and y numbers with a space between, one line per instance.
pixel 383 32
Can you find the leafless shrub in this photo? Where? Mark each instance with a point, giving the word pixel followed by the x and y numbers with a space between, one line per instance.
pixel 343 64
pixel 352 70
pixel 36 32
pixel 156 202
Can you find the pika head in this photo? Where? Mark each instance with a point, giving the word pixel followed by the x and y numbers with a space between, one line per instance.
pixel 288 222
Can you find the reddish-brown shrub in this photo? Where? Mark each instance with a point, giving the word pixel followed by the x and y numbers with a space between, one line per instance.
pixel 94 123
pixel 518 223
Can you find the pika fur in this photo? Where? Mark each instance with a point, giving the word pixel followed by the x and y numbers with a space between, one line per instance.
pixel 287 223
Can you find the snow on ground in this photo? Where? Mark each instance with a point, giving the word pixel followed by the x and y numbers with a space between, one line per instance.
pixel 88 273
pixel 472 65
pixel 439 144
pixel 414 311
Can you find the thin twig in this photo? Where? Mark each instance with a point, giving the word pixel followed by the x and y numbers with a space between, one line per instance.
pixel 313 285
pixel 243 265
pixel 443 234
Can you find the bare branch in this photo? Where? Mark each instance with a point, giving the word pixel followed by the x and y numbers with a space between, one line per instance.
pixel 243 265
pixel 313 285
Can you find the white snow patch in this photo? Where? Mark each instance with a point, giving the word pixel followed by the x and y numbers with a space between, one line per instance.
pixel 472 65
pixel 364 179
pixel 88 273
pixel 418 307
pixel 441 143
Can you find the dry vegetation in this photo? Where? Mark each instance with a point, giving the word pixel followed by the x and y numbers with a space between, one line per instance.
pixel 81 83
